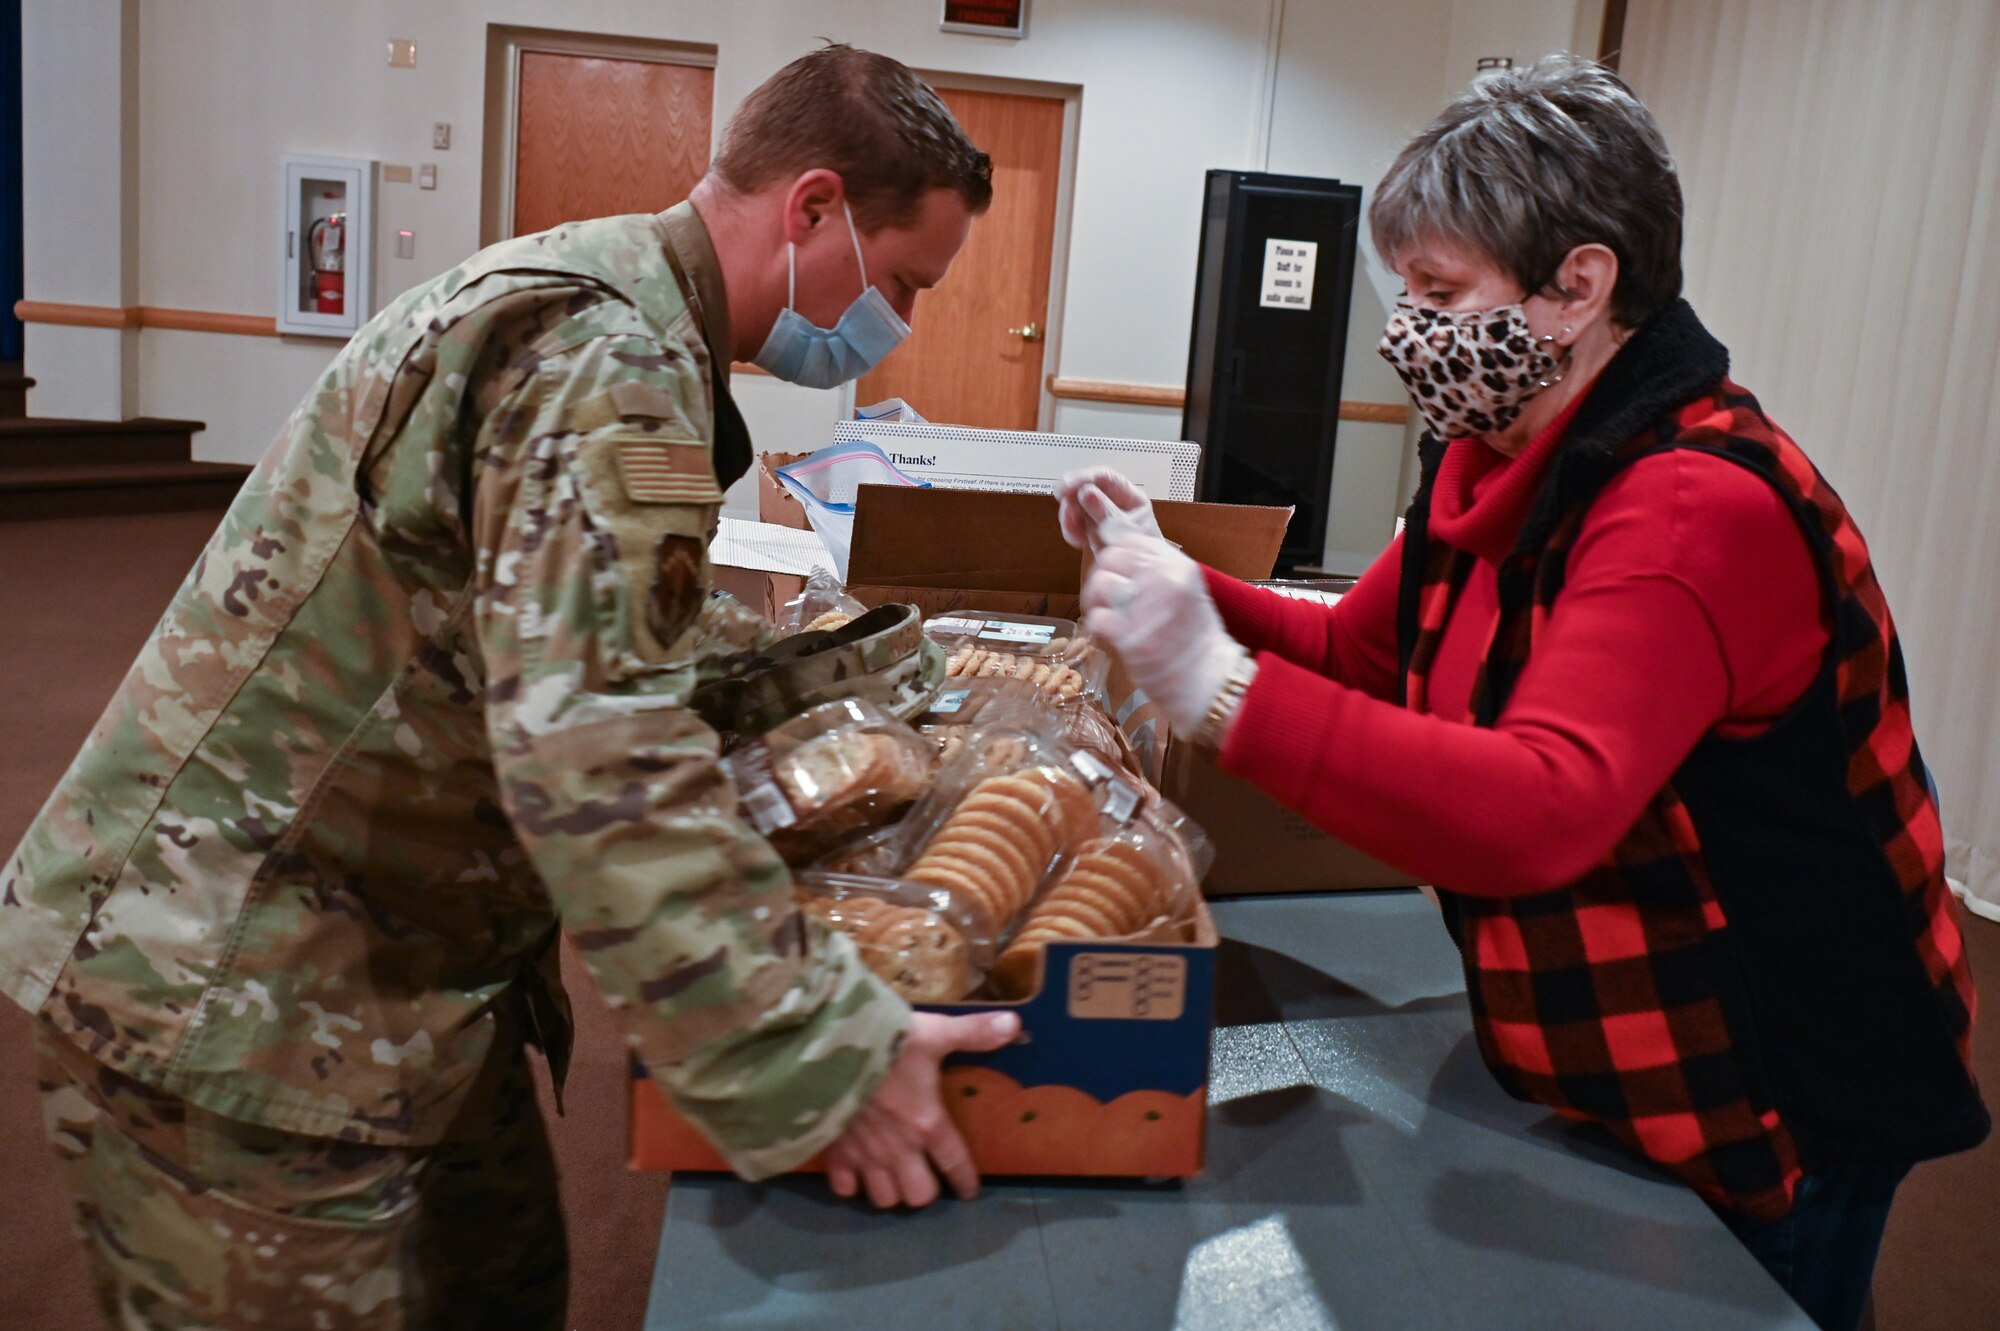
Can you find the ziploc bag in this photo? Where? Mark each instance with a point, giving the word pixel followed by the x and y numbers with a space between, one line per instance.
pixel 892 411
pixel 825 484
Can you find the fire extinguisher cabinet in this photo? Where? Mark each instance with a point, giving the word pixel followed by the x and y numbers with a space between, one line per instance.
pixel 326 254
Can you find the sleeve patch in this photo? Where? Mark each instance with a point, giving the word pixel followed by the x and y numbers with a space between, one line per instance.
pixel 632 398
pixel 663 471
pixel 680 585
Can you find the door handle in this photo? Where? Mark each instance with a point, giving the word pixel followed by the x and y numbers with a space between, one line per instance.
pixel 1031 332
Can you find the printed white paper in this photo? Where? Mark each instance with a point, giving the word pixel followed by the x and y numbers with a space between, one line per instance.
pixel 1288 274
pixel 958 458
pixel 765 547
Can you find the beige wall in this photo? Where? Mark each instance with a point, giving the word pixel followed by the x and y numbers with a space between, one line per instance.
pixel 1169 89
pixel 79 73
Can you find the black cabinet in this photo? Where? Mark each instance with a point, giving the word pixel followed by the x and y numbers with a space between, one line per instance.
pixel 1272 289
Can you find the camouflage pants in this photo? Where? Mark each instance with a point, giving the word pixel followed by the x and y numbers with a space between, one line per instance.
pixel 193 1220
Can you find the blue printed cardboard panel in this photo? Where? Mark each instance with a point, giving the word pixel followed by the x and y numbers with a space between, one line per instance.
pixel 1110 1077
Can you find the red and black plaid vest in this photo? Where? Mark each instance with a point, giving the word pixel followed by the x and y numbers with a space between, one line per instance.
pixel 1766 974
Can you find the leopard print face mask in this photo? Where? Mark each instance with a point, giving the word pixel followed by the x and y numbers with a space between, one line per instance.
pixel 1470 373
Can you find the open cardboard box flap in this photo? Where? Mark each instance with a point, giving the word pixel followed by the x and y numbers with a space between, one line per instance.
pixel 775 503
pixel 1009 542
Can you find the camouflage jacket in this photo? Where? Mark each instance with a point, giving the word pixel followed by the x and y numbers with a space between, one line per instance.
pixel 423 694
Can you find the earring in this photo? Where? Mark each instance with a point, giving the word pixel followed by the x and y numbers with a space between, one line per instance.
pixel 1562 352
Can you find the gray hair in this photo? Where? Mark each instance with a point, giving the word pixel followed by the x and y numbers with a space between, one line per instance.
pixel 1531 163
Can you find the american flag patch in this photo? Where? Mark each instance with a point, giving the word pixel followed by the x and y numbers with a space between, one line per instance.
pixel 665 471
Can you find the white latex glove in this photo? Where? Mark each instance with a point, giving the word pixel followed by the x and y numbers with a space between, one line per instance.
pixel 902 1139
pixel 1151 604
pixel 1098 506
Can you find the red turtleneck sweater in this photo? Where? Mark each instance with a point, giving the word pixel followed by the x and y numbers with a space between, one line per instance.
pixel 1691 606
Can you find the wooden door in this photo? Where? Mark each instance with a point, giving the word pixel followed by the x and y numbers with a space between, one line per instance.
pixel 597 137
pixel 961 365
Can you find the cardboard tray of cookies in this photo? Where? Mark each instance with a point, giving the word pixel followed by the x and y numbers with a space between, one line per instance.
pixel 1113 1081
pixel 1033 874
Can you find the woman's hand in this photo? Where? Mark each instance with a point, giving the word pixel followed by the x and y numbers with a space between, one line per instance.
pixel 902 1139
pixel 1098 506
pixel 1150 602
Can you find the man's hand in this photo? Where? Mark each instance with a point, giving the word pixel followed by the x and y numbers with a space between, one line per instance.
pixel 1098 506
pixel 893 1143
pixel 1150 602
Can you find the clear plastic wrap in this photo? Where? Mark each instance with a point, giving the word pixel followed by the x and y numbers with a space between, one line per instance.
pixel 824 604
pixel 833 773
pixel 1135 880
pixel 920 940
pixel 868 854
pixel 1086 726
pixel 999 815
pixel 1042 839
pixel 1022 839
pixel 964 706
pixel 1054 655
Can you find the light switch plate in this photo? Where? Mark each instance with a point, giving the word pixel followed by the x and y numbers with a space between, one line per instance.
pixel 427 177
pixel 406 244
pixel 402 53
pixel 441 136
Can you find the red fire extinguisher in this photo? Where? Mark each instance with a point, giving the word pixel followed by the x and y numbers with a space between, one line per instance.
pixel 328 250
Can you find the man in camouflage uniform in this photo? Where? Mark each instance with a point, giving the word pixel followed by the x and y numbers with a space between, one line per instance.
pixel 291 915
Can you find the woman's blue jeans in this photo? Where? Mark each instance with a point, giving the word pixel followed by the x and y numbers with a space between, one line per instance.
pixel 1823 1253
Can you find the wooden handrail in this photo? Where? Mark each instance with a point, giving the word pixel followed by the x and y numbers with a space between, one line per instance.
pixel 1167 395
pixel 144 316
pixel 1134 395
pixel 207 321
pixel 253 325
pixel 76 316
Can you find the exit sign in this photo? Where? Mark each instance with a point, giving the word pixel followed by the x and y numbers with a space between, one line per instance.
pixel 988 18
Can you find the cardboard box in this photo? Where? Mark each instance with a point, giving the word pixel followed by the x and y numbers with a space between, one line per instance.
pixel 986 550
pixel 1260 845
pixel 949 550
pixel 1112 1080
pixel 766 593
pixel 959 457
pixel 774 502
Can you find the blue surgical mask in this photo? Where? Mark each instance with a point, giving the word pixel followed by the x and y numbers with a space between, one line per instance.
pixel 802 352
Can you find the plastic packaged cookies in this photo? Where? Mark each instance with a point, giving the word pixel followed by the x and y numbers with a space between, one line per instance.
pixel 1053 655
pixel 823 604
pixel 919 941
pixel 966 705
pixel 840 770
pixel 1013 801
pixel 996 844
pixel 1087 727
pixel 1140 878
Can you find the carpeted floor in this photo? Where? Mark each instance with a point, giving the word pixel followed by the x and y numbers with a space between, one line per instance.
pixel 78 597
